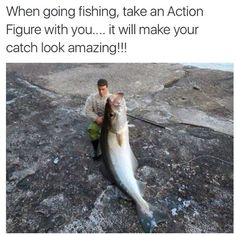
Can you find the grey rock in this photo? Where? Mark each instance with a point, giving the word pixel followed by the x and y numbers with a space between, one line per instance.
pixel 53 185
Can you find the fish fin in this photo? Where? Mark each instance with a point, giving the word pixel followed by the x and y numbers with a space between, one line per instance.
pixel 134 161
pixel 119 138
pixel 120 194
pixel 150 218
pixel 141 186
pixel 106 173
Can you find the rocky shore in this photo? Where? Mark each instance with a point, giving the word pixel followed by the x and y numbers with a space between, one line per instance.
pixel 186 159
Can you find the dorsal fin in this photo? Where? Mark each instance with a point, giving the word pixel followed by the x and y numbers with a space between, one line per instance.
pixel 141 186
pixel 133 160
pixel 106 173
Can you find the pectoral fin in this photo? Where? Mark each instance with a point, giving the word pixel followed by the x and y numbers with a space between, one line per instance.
pixel 120 138
pixel 134 161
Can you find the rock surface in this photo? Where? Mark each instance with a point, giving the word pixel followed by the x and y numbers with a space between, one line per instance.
pixel 54 186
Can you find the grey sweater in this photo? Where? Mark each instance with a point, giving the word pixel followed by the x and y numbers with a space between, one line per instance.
pixel 95 105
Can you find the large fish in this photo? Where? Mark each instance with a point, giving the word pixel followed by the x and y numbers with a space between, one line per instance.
pixel 120 162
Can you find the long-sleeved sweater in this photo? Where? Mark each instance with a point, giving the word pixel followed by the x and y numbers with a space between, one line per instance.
pixel 95 105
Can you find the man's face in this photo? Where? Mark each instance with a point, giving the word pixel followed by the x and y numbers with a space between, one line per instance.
pixel 103 90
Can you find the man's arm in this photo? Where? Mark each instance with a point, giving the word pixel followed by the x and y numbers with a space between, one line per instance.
pixel 88 109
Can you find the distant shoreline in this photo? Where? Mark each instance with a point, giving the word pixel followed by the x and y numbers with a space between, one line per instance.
pixel 223 67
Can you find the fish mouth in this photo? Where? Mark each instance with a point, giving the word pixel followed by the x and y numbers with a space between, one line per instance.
pixel 116 115
pixel 116 99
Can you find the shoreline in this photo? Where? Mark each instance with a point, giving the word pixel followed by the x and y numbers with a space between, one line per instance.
pixel 227 67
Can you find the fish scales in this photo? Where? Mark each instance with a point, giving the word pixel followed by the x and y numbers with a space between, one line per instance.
pixel 120 163
pixel 121 160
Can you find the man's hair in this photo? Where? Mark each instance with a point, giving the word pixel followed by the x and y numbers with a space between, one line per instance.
pixel 102 82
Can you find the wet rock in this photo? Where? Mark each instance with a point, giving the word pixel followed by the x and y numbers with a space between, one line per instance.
pixel 102 218
pixel 20 175
pixel 54 186
pixel 53 204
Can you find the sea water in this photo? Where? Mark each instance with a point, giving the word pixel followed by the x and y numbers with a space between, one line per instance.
pixel 219 66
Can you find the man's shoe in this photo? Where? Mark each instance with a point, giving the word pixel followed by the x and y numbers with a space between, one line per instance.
pixel 96 157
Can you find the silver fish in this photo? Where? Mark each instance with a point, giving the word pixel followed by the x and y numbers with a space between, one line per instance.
pixel 120 162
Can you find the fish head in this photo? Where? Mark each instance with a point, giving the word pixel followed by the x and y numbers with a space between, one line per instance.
pixel 115 112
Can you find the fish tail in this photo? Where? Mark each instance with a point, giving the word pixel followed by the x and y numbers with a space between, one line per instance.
pixel 150 217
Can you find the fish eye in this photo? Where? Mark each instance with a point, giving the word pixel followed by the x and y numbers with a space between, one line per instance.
pixel 112 114
pixel 117 104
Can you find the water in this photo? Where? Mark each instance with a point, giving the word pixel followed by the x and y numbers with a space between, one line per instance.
pixel 223 67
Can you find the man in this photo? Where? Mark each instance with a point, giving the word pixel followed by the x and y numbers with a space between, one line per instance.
pixel 94 110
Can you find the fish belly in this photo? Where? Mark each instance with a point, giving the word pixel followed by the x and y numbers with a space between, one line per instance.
pixel 120 158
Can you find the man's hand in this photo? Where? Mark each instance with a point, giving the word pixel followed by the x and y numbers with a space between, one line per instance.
pixel 99 120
